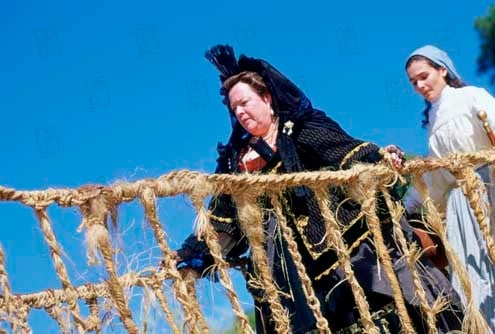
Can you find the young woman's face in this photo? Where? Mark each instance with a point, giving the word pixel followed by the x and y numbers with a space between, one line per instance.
pixel 427 80
pixel 253 111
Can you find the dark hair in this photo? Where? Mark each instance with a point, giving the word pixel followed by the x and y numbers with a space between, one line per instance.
pixel 253 79
pixel 452 82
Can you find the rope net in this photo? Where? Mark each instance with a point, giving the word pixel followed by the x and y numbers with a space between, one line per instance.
pixel 77 308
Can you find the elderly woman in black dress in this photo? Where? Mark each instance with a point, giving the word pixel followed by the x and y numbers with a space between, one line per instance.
pixel 275 129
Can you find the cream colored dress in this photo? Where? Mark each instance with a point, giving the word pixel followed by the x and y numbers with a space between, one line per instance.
pixel 455 127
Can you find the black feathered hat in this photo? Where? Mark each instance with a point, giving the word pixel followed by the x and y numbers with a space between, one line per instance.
pixel 287 98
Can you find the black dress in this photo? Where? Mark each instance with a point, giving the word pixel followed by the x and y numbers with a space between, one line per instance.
pixel 308 140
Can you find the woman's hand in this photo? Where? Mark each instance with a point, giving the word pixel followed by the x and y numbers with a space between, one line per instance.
pixel 396 156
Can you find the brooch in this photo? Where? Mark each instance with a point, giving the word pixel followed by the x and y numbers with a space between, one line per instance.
pixel 288 128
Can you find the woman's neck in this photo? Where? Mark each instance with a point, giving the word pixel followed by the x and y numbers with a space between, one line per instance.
pixel 271 135
pixel 443 93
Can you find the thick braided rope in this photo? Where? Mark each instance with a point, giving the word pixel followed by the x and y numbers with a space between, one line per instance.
pixel 313 302
pixel 8 306
pixel 96 214
pixel 63 275
pixel 93 321
pixel 52 297
pixel 190 311
pixel 18 317
pixel 335 238
pixel 182 182
pixel 56 313
pixel 368 206
pixel 16 311
pixel 250 219
pixel 438 305
pixel 473 322
pixel 20 323
pixel 210 237
pixel 459 160
pixel 87 291
pixel 5 287
pixel 156 285
pixel 178 182
pixel 412 256
pixel 206 232
pixel 473 188
pixel 190 276
pixel 77 197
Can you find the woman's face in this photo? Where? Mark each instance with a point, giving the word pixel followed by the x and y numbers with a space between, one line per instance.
pixel 427 80
pixel 253 111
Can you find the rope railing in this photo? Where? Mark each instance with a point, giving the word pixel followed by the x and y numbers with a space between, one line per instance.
pixel 99 204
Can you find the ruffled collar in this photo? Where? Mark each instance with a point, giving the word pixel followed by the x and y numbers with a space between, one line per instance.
pixel 446 92
pixel 436 110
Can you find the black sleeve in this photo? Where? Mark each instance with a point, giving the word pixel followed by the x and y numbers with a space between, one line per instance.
pixel 190 248
pixel 332 147
pixel 223 216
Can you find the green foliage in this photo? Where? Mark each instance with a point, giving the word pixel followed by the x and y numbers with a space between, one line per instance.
pixel 485 26
pixel 235 329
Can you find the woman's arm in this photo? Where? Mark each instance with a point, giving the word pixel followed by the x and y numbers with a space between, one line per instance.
pixel 482 100
pixel 331 147
pixel 223 217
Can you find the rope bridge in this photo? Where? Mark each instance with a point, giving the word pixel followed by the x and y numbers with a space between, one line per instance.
pixel 99 204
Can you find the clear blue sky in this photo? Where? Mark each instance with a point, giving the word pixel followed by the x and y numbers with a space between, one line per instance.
pixel 100 91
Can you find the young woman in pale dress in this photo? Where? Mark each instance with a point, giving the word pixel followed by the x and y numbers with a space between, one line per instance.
pixel 452 123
